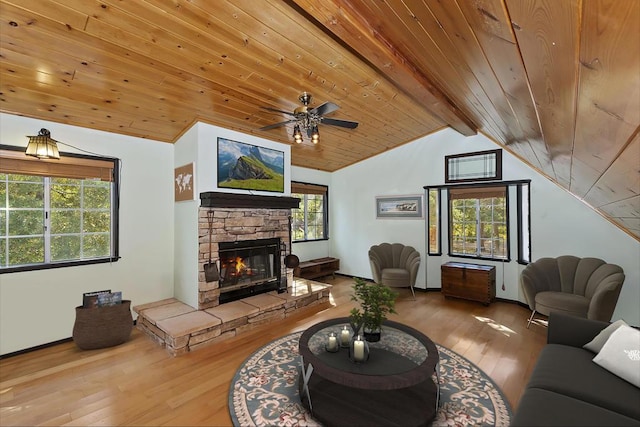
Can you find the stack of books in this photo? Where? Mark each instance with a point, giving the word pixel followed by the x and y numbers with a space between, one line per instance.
pixel 101 298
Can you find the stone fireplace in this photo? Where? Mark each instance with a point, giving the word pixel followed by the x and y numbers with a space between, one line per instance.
pixel 248 267
pixel 254 228
pixel 250 292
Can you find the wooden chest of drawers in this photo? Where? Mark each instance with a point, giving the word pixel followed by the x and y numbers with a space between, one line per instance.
pixel 474 282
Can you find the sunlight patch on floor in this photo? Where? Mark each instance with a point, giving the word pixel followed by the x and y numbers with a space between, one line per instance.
pixel 495 325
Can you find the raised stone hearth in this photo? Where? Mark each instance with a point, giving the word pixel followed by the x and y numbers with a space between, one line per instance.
pixel 181 328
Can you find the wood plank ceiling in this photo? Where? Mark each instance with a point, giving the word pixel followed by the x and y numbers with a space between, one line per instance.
pixel 555 82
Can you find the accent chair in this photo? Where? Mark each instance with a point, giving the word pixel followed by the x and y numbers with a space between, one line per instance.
pixel 583 287
pixel 394 265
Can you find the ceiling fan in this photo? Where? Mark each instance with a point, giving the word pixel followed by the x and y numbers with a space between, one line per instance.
pixel 309 118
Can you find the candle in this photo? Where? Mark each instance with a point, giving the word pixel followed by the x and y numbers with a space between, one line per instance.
pixel 358 350
pixel 345 336
pixel 333 342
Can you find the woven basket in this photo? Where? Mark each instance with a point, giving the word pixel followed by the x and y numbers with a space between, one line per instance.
pixel 102 326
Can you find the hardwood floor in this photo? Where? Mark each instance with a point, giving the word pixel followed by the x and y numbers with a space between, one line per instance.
pixel 139 383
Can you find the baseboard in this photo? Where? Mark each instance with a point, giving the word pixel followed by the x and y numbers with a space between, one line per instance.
pixel 38 347
pixel 41 346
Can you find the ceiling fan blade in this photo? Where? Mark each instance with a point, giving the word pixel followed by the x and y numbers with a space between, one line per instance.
pixel 326 108
pixel 275 110
pixel 275 125
pixel 341 123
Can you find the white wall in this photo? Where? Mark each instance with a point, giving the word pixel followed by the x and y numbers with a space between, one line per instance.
pixel 561 224
pixel 208 153
pixel 38 307
pixel 186 224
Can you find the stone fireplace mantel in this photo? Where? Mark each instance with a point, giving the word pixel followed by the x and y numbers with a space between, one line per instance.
pixel 213 199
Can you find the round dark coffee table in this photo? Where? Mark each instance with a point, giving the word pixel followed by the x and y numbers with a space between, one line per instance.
pixel 394 387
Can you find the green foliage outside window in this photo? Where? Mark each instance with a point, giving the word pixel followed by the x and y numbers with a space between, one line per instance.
pixel 434 221
pixel 479 227
pixel 308 221
pixel 22 215
pixel 74 215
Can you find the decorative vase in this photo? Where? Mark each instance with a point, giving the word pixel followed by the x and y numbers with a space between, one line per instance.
pixel 372 335
pixel 359 350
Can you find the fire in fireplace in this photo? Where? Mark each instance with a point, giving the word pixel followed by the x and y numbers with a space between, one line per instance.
pixel 248 268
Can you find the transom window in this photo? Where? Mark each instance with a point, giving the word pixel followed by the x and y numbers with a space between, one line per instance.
pixel 56 213
pixel 309 221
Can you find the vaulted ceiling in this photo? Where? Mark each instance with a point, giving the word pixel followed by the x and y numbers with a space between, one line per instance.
pixel 555 82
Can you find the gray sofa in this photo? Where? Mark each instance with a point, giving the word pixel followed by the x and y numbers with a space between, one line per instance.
pixel 567 388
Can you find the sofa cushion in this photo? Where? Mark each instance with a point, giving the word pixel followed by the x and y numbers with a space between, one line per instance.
pixel 620 355
pixel 597 343
pixel 549 301
pixel 570 371
pixel 539 407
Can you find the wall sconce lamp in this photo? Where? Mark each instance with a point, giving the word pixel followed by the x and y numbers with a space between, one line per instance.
pixel 42 146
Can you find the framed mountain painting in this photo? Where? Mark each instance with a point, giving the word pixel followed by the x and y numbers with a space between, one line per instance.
pixel 249 167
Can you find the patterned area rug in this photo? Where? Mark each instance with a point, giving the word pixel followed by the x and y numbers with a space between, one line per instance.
pixel 264 391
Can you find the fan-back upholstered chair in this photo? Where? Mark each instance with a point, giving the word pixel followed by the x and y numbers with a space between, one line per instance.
pixel 394 265
pixel 583 287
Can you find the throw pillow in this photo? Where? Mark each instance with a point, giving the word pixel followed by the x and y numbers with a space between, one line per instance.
pixel 596 344
pixel 620 355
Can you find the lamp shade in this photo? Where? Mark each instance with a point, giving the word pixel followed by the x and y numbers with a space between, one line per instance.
pixel 42 146
pixel 297 135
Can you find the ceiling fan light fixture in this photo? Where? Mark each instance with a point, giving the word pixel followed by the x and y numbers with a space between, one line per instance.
pixel 297 135
pixel 305 98
pixel 42 146
pixel 308 119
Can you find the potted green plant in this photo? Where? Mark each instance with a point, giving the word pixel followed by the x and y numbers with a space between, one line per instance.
pixel 376 301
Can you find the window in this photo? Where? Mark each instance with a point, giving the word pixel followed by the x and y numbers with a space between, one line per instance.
pixel 433 212
pixel 478 222
pixel 477 166
pixel 524 223
pixel 309 221
pixel 56 213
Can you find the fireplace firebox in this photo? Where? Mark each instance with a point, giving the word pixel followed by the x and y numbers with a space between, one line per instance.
pixel 249 267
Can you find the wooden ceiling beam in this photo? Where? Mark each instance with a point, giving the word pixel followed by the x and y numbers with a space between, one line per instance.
pixel 354 29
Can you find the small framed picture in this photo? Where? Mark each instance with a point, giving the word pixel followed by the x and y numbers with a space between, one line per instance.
pixel 183 183
pixel 410 206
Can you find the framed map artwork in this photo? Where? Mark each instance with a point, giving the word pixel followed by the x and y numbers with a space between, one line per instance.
pixel 183 183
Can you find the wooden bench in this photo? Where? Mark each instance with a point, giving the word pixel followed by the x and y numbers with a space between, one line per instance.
pixel 318 267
